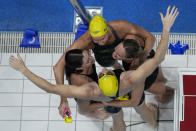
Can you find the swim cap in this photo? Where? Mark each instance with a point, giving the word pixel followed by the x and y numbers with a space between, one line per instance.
pixel 108 84
pixel 98 26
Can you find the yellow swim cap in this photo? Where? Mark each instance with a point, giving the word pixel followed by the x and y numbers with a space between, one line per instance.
pixel 125 97
pixel 108 84
pixel 98 26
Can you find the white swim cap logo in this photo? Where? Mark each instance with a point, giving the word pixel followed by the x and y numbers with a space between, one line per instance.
pixel 32 41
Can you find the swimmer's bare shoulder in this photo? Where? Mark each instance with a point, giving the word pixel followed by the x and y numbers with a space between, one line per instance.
pixel 122 27
pixel 126 80
pixel 84 42
pixel 78 80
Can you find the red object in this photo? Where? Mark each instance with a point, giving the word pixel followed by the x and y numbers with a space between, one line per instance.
pixel 189 86
pixel 182 127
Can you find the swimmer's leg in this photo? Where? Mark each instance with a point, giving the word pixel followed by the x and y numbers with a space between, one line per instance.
pixel 118 122
pixel 148 113
pixel 98 114
pixel 163 93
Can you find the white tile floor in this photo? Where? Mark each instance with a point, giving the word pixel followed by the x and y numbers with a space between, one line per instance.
pixel 24 107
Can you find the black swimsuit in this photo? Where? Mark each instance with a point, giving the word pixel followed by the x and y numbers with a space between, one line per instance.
pixel 112 109
pixel 103 54
pixel 94 77
pixel 150 79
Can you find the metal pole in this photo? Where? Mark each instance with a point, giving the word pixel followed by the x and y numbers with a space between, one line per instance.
pixel 79 8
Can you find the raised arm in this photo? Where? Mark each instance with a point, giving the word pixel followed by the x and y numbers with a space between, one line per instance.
pixel 149 65
pixel 130 78
pixel 69 91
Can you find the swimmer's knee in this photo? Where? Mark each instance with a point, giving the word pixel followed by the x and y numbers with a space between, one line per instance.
pixel 140 107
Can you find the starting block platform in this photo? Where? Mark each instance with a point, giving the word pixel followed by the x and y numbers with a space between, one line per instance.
pixel 185 101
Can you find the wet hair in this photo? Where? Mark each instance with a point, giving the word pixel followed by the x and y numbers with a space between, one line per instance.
pixel 132 48
pixel 73 59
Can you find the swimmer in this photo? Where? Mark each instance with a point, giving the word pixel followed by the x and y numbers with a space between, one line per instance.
pixel 130 52
pixel 102 38
pixel 128 80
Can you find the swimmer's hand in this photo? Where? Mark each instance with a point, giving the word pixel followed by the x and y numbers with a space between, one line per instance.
pixel 17 63
pixel 62 107
pixel 169 18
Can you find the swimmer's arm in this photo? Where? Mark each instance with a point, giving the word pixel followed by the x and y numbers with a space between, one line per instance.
pixel 84 42
pixel 83 92
pixel 149 65
pixel 78 80
pixel 133 29
pixel 68 91
pixel 64 101
pixel 136 96
pixel 59 77
pixel 87 106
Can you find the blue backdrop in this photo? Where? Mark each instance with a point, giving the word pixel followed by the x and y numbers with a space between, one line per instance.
pixel 58 15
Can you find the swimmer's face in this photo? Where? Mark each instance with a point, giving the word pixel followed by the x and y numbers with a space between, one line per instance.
pixel 101 40
pixel 119 52
pixel 106 71
pixel 87 60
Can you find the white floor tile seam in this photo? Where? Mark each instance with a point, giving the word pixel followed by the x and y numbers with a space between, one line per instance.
pixel 27 106
pixel 38 106
pixel 38 120
pixel 38 66
pixel 6 79
pixel 9 120
pixel 90 120
pixel 165 108
pixel 49 103
pixel 1 93
pixel 29 65
pixel 58 106
pixel 159 121
pixel 0 57
pixel 21 110
pixel 107 120
pixel 42 77
pixel 76 117
pixel 51 64
pixel 26 79
pixel 36 93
